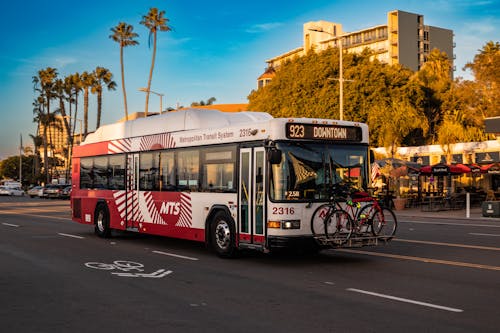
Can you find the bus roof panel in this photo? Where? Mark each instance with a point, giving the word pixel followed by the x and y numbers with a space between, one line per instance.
pixel 190 119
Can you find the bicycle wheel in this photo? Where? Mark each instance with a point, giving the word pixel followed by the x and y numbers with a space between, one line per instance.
pixel 384 223
pixel 338 226
pixel 364 218
pixel 318 219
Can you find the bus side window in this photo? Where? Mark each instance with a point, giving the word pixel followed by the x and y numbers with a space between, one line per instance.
pixel 188 169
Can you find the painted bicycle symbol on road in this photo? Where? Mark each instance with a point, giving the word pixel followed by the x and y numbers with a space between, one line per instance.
pixel 127 268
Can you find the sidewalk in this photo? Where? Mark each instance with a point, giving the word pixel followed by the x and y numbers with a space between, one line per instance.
pixel 476 214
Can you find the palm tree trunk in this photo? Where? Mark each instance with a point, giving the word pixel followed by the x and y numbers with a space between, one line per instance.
pixel 150 74
pixel 45 155
pixel 76 114
pixel 85 112
pixel 99 109
pixel 123 83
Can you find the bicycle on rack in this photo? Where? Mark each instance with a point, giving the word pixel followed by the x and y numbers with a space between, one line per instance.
pixel 339 224
pixel 331 221
pixel 380 219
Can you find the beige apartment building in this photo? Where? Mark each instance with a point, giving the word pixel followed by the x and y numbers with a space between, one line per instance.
pixel 404 39
pixel 58 144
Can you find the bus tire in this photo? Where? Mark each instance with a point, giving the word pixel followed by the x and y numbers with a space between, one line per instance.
pixel 223 235
pixel 101 220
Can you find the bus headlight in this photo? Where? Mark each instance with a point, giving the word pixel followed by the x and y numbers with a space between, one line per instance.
pixel 284 224
pixel 290 224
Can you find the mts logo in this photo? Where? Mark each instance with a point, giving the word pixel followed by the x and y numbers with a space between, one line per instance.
pixel 170 208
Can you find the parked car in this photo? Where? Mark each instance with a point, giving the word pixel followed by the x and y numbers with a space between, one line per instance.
pixel 66 192
pixel 35 191
pixel 11 191
pixel 53 191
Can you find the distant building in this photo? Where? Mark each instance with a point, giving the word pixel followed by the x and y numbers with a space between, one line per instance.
pixel 404 40
pixel 58 144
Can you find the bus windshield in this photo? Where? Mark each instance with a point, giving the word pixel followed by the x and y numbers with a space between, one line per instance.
pixel 307 170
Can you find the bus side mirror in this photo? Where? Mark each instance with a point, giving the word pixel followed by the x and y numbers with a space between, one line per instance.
pixel 372 156
pixel 274 156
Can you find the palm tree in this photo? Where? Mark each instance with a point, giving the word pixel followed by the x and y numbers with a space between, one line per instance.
pixel 88 80
pixel 75 83
pixel 44 84
pixel 154 20
pixel 102 76
pixel 124 35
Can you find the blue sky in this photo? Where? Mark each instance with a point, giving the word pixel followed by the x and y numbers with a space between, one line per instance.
pixel 216 49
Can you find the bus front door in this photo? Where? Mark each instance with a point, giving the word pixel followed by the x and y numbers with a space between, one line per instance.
pixel 251 196
pixel 132 196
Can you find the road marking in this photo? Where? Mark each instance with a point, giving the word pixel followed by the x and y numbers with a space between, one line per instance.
pixel 478 234
pixel 155 275
pixel 477 247
pixel 11 225
pixel 426 260
pixel 457 224
pixel 72 236
pixel 35 215
pixel 175 255
pixel 406 300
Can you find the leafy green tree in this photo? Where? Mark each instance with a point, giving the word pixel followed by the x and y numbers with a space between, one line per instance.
pixel 154 21
pixel 9 168
pixel 435 79
pixel 124 35
pixel 486 70
pixel 391 121
pixel 209 101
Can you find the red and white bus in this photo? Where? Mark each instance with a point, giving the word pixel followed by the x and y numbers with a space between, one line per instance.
pixel 232 180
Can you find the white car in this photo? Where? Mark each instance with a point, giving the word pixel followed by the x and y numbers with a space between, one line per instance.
pixel 16 191
pixel 36 191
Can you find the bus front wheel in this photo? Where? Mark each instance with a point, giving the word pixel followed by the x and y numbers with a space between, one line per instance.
pixel 101 220
pixel 223 235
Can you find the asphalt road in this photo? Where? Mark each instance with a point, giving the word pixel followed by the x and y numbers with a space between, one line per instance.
pixel 57 276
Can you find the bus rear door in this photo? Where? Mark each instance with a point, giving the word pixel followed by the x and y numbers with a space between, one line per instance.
pixel 132 207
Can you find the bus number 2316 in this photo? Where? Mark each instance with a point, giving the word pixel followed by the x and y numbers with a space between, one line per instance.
pixel 283 210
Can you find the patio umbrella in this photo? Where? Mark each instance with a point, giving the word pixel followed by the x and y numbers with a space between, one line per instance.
pixel 491 168
pixel 396 168
pixel 442 169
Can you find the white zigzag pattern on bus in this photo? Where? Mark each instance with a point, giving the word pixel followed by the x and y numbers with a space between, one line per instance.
pixel 185 216
pixel 165 140
pixel 121 203
pixel 134 213
pixel 119 146
pixel 153 211
pixel 133 210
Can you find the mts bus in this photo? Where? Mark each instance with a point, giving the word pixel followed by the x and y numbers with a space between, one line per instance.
pixel 232 180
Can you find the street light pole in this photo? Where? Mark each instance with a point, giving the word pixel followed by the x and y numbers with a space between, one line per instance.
pixel 341 70
pixel 158 94
pixel 341 82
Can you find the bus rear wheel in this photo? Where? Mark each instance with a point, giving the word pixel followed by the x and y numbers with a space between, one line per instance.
pixel 223 236
pixel 101 220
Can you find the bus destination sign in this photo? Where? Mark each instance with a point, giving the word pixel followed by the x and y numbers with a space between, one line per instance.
pixel 323 132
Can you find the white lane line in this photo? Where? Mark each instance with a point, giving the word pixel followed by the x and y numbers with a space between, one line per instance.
pixel 11 225
pixel 405 300
pixel 478 234
pixel 72 236
pixel 477 247
pixel 444 223
pixel 35 215
pixel 175 255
